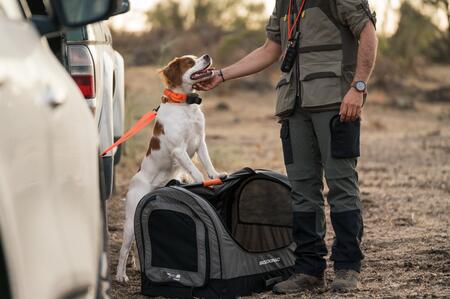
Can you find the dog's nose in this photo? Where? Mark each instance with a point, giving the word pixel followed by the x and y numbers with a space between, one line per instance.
pixel 206 57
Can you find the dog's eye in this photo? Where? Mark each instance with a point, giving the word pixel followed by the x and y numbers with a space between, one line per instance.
pixel 191 63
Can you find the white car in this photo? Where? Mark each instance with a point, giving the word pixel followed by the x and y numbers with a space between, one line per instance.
pixel 99 72
pixel 51 225
pixel 88 55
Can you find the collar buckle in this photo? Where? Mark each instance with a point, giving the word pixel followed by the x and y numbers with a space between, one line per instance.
pixel 193 98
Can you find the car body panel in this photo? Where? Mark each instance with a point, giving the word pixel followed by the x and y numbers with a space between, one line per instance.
pixel 119 96
pixel 50 218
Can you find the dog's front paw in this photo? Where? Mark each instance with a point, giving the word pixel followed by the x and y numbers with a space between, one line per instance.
pixel 216 175
pixel 122 278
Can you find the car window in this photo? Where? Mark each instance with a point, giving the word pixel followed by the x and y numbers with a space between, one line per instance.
pixel 37 7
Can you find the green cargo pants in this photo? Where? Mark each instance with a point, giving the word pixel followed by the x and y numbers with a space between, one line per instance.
pixel 306 147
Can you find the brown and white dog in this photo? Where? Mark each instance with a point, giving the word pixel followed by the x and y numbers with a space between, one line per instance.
pixel 178 134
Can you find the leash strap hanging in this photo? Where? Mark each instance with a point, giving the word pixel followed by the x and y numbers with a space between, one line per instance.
pixel 291 28
pixel 144 121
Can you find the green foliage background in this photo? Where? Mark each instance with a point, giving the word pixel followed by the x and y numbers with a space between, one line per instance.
pixel 229 29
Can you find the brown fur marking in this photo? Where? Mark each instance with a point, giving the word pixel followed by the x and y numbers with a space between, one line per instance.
pixel 154 145
pixel 173 72
pixel 158 129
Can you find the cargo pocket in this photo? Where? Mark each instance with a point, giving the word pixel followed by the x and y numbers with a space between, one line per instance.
pixel 285 136
pixel 321 84
pixel 286 96
pixel 345 138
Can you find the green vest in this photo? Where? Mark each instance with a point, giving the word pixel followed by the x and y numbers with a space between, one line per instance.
pixel 326 63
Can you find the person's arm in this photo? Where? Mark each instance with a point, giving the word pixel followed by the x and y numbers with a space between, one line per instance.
pixel 368 43
pixel 254 62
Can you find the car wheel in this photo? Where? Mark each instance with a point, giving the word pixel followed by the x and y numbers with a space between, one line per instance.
pixel 107 170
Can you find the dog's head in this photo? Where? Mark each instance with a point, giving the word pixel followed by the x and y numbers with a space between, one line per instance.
pixel 187 70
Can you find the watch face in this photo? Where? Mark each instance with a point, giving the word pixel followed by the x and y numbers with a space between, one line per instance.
pixel 361 86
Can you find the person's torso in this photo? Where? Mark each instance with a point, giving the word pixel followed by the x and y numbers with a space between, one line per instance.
pixel 327 53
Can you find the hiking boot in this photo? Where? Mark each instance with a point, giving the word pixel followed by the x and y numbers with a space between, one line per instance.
pixel 299 282
pixel 345 280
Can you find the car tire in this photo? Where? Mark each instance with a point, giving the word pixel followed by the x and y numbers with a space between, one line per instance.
pixel 108 175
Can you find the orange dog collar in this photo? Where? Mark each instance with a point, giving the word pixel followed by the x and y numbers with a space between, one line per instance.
pixel 175 97
pixel 189 98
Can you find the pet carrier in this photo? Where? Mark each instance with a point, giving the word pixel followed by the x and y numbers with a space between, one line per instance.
pixel 221 241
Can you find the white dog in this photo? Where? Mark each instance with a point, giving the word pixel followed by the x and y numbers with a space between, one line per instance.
pixel 178 134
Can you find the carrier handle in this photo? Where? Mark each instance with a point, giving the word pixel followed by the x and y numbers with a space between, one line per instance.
pixel 208 183
pixel 212 182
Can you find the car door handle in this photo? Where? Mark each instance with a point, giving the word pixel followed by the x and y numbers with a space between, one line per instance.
pixel 53 97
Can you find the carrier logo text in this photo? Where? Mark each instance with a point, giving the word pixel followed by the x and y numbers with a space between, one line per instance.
pixel 269 261
pixel 176 277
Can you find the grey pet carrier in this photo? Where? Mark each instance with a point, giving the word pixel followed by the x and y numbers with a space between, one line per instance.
pixel 221 241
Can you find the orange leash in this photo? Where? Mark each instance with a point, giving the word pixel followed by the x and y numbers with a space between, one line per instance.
pixel 291 29
pixel 145 120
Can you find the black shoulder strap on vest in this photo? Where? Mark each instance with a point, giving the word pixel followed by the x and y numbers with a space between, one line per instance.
pixel 349 41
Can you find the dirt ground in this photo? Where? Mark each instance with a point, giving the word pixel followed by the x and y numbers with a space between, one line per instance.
pixel 404 175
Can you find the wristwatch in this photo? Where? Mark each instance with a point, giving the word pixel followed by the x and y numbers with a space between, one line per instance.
pixel 360 86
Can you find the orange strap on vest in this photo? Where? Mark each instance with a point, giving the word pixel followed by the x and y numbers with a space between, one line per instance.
pixel 291 28
pixel 175 97
pixel 145 120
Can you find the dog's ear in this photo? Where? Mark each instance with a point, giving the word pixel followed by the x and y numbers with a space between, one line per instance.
pixel 172 73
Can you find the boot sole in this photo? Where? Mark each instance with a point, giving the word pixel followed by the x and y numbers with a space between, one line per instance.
pixel 312 288
pixel 343 289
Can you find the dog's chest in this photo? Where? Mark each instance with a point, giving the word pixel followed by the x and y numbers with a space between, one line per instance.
pixel 194 134
pixel 183 125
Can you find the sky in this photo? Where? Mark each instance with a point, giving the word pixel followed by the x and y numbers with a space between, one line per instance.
pixel 135 19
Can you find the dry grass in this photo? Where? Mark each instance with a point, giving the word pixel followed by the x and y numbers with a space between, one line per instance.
pixel 404 173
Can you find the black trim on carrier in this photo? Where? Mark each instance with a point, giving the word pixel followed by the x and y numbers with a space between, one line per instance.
pixel 218 288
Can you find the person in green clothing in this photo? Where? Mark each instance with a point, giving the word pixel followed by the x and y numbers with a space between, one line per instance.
pixel 328 50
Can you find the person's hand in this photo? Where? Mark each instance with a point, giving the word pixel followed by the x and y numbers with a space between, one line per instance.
pixel 209 83
pixel 351 105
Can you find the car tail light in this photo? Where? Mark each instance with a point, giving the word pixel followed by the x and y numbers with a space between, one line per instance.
pixel 81 68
